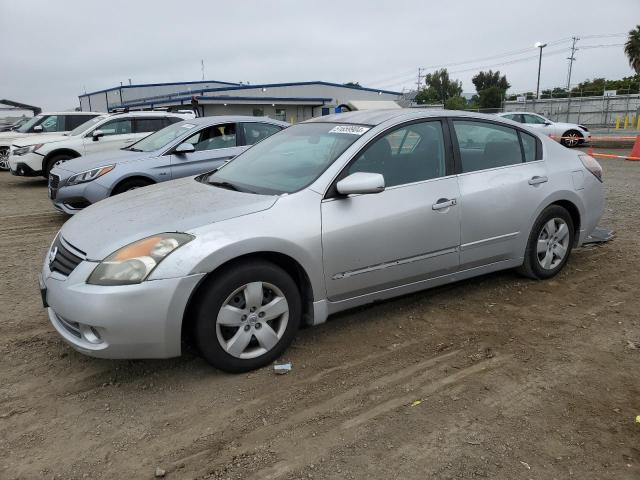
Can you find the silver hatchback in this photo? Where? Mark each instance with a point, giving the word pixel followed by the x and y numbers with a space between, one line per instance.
pixel 329 214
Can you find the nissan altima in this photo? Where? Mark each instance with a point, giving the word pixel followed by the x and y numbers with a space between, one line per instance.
pixel 326 215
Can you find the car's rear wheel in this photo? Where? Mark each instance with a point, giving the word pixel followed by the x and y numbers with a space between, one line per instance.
pixel 4 158
pixel 247 316
pixel 571 139
pixel 54 162
pixel 549 245
pixel 131 184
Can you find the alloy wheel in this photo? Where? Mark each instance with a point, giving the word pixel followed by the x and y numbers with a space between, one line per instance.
pixel 553 243
pixel 252 320
pixel 572 139
pixel 4 159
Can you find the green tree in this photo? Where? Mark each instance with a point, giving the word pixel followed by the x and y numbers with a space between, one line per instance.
pixel 455 103
pixel 632 48
pixel 484 80
pixel 491 98
pixel 439 88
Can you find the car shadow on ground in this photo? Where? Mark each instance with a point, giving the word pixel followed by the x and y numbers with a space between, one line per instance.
pixel 22 182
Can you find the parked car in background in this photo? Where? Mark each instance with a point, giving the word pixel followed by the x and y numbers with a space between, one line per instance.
pixel 42 124
pixel 326 215
pixel 13 125
pixel 36 155
pixel 183 149
pixel 568 134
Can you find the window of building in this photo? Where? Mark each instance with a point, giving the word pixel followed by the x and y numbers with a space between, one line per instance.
pixel 258 112
pixel 281 114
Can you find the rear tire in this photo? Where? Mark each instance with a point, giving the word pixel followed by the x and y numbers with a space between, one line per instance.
pixel 52 163
pixel 131 184
pixel 247 316
pixel 571 138
pixel 550 244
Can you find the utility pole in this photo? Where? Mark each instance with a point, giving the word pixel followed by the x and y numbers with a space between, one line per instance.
pixel 571 60
pixel 419 83
pixel 202 64
pixel 539 45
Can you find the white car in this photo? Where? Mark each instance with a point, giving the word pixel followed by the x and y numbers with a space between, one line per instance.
pixel 36 155
pixel 42 124
pixel 568 134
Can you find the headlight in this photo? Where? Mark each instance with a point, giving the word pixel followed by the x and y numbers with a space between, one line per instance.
pixel 28 149
pixel 89 175
pixel 133 263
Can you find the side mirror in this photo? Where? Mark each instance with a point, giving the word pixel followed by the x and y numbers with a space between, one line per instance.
pixel 37 128
pixel 97 134
pixel 184 148
pixel 546 124
pixel 361 183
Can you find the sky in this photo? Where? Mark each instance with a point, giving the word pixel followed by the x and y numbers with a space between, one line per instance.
pixel 53 51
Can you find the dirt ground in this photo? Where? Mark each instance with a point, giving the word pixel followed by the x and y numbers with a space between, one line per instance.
pixel 516 379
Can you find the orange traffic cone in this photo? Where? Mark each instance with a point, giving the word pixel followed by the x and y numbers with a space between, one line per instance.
pixel 590 152
pixel 635 151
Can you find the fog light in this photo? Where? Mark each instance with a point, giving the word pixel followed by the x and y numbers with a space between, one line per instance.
pixel 91 334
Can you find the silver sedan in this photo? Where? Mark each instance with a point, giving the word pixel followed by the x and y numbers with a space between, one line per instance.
pixel 180 150
pixel 329 214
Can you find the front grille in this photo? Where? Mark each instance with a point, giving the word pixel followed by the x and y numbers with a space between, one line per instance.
pixel 63 261
pixel 54 182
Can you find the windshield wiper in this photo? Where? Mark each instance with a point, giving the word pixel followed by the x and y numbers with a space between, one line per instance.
pixel 227 185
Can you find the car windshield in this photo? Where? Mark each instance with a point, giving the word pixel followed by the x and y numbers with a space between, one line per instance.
pixel 162 138
pixel 25 127
pixel 289 160
pixel 83 127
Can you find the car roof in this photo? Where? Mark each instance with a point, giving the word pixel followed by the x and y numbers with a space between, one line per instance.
pixel 71 113
pixel 376 117
pixel 232 119
pixel 518 113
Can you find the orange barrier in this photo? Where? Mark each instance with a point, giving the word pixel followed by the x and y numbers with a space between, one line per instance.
pixel 634 156
pixel 614 138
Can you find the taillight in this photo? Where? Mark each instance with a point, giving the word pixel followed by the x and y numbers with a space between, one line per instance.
pixel 592 165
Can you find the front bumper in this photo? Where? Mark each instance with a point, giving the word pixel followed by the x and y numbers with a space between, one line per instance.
pixel 117 322
pixel 71 199
pixel 29 165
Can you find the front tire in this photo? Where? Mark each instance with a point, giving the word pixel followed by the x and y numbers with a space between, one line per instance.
pixel 4 158
pixel 131 184
pixel 549 245
pixel 247 316
pixel 53 162
pixel 571 139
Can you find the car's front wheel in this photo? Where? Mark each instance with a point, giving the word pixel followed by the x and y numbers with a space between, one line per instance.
pixel 247 316
pixel 550 243
pixel 4 158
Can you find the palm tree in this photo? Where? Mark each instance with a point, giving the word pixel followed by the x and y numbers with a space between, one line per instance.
pixel 632 48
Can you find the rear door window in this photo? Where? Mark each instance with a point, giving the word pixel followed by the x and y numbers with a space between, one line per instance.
pixel 484 145
pixel 217 136
pixel 149 125
pixel 255 132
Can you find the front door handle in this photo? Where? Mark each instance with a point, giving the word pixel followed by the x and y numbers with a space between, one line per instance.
pixel 443 203
pixel 537 180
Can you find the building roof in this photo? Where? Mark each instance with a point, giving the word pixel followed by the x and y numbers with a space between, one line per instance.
pixel 155 85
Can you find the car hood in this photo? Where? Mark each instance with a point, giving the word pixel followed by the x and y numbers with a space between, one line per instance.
pixel 39 138
pixel 95 160
pixel 6 136
pixel 567 126
pixel 174 206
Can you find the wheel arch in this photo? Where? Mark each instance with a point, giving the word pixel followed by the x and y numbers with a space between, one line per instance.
pixel 137 176
pixel 575 217
pixel 284 261
pixel 60 151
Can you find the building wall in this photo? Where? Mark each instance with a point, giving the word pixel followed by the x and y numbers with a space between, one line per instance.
pixel 292 113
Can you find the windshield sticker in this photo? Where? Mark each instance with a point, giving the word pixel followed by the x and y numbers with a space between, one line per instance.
pixel 188 125
pixel 350 129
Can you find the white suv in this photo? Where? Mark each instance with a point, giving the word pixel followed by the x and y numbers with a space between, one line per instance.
pixel 36 155
pixel 44 123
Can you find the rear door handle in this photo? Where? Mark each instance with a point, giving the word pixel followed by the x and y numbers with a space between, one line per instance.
pixel 537 180
pixel 443 203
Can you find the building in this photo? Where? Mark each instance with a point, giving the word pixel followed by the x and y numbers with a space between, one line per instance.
pixel 293 102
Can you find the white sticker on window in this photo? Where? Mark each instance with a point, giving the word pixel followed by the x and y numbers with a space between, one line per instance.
pixel 187 125
pixel 350 129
